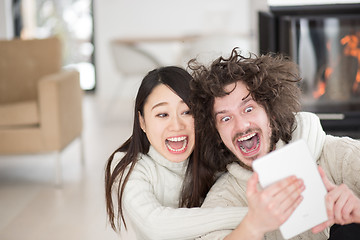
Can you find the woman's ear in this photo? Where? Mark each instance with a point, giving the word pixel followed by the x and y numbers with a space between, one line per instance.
pixel 142 122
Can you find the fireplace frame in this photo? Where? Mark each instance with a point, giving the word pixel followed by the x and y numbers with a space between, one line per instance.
pixel 340 121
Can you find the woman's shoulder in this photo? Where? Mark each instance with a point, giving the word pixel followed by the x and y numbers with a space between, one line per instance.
pixel 142 159
pixel 116 159
pixel 143 169
pixel 118 156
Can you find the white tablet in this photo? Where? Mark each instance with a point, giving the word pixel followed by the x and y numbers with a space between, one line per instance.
pixel 295 159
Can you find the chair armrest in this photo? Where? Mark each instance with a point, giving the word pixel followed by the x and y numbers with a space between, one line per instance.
pixel 60 104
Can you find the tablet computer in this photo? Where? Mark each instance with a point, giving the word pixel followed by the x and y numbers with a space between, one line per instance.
pixel 295 159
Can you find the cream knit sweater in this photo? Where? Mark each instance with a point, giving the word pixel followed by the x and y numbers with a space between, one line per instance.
pixel 152 194
pixel 339 157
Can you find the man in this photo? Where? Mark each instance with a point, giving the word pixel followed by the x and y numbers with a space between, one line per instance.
pixel 247 107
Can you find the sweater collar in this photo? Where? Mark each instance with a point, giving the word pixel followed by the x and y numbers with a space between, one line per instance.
pixel 308 128
pixel 178 167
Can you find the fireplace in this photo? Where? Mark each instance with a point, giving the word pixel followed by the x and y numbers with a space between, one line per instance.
pixel 325 41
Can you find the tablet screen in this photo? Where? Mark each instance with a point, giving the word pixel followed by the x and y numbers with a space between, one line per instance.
pixel 295 159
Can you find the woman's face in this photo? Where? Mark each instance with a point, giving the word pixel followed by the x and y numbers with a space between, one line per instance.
pixel 168 124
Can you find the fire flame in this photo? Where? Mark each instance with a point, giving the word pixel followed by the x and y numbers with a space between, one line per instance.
pixel 322 84
pixel 320 90
pixel 351 48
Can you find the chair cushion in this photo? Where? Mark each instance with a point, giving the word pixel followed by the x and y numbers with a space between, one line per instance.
pixel 23 63
pixel 19 114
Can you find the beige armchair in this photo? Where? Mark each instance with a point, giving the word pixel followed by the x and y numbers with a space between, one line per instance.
pixel 40 104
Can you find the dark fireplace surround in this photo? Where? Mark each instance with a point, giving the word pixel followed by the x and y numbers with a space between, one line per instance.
pixel 325 41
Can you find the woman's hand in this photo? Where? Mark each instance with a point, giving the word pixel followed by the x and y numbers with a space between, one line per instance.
pixel 342 206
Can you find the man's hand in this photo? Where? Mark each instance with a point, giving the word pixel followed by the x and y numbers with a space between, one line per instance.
pixel 342 206
pixel 272 206
pixel 268 208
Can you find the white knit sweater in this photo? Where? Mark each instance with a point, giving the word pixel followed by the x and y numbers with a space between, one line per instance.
pixel 152 194
pixel 151 199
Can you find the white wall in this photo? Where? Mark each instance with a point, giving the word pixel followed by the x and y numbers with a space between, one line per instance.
pixel 308 2
pixel 230 23
pixel 6 25
pixel 234 19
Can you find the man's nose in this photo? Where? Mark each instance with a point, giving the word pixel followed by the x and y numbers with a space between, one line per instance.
pixel 242 124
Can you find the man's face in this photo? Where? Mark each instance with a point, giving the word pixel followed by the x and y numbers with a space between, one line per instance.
pixel 242 123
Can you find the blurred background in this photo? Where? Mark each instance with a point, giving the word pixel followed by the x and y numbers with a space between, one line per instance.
pixel 171 32
pixel 113 44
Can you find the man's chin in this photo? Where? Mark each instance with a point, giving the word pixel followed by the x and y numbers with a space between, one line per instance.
pixel 246 162
pixel 248 157
pixel 246 165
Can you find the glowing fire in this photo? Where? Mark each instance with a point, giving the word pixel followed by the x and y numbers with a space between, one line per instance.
pixel 351 48
pixel 322 84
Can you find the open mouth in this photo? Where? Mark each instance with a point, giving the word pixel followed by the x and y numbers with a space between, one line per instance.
pixel 249 144
pixel 176 144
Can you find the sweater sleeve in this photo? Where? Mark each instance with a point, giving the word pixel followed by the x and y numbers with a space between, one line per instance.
pixel 340 160
pixel 151 220
pixel 226 192
pixel 308 128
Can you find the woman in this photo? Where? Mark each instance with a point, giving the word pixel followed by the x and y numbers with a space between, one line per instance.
pixel 153 169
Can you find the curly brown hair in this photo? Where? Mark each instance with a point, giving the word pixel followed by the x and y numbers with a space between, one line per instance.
pixel 272 81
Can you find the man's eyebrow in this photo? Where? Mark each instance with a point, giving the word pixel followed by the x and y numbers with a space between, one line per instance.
pixel 220 112
pixel 245 100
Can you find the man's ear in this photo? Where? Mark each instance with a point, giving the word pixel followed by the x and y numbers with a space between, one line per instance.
pixel 142 122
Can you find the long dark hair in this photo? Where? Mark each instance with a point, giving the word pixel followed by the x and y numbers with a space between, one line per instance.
pixel 178 80
pixel 272 82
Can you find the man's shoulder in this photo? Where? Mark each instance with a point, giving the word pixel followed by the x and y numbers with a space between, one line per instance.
pixel 238 173
pixel 341 144
pixel 308 128
pixel 229 189
pixel 224 179
pixel 306 117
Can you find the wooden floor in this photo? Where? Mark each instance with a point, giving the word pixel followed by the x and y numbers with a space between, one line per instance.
pixel 32 208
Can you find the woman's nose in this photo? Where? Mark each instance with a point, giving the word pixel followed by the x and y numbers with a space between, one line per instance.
pixel 176 123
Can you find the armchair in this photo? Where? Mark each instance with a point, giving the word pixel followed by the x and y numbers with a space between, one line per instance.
pixel 40 104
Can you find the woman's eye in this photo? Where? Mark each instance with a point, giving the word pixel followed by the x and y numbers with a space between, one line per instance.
pixel 162 115
pixel 248 109
pixel 186 112
pixel 225 119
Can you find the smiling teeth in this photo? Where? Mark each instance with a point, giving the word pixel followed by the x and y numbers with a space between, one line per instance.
pixel 246 137
pixel 176 139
